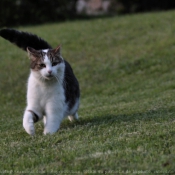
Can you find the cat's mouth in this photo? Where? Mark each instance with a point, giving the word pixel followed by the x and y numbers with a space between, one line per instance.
pixel 49 77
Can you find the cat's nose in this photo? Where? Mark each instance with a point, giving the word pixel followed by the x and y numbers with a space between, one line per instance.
pixel 49 71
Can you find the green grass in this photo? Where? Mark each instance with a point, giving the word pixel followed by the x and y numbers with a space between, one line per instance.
pixel 126 69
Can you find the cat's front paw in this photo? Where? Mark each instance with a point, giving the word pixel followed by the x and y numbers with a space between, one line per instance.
pixel 49 131
pixel 29 126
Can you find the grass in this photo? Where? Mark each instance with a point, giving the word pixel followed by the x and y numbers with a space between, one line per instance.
pixel 125 66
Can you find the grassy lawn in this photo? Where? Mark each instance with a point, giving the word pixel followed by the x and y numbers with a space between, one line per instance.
pixel 126 69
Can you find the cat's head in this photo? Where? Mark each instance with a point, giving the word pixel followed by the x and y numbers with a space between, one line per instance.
pixel 46 63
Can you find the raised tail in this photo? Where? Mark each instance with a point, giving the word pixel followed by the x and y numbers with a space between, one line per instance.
pixel 24 39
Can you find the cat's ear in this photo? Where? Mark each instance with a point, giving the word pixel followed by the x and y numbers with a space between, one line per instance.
pixel 32 53
pixel 57 50
pixel 30 50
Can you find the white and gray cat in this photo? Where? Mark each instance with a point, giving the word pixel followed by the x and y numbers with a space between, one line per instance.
pixel 52 89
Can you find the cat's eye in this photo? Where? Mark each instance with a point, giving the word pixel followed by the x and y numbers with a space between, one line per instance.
pixel 42 65
pixel 54 63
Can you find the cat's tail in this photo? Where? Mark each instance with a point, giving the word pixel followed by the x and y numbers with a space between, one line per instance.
pixel 24 39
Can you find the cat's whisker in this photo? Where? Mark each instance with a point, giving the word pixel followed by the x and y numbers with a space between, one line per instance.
pixel 42 79
pixel 56 78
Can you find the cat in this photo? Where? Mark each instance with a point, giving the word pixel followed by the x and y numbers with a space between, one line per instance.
pixel 53 91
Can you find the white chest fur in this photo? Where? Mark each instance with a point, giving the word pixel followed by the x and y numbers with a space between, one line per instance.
pixel 40 94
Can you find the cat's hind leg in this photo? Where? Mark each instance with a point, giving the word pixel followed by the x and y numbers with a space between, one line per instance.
pixel 73 117
pixel 44 120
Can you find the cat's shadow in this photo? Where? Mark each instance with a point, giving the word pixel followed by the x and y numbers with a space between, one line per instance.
pixel 111 118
